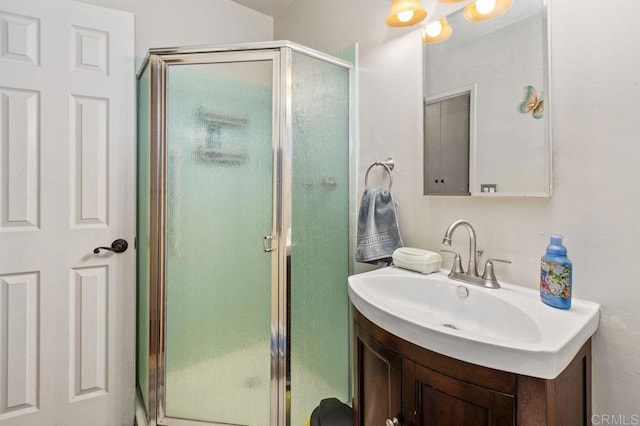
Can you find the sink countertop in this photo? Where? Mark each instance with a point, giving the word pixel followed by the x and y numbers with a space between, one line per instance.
pixel 507 329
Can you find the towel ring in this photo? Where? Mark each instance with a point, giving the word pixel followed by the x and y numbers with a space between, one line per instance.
pixel 387 168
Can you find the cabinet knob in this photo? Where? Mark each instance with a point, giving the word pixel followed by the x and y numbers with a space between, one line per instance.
pixel 394 422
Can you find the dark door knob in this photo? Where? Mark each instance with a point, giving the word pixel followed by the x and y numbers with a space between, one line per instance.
pixel 118 246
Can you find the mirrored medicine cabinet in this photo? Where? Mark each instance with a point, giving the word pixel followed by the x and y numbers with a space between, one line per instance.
pixel 487 105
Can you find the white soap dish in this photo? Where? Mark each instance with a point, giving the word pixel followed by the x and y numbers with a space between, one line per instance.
pixel 419 260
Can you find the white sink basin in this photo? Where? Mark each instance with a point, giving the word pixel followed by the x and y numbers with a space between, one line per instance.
pixel 507 329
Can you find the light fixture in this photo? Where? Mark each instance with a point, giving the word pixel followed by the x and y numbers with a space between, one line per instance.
pixel 450 1
pixel 436 31
pixel 405 13
pixel 482 10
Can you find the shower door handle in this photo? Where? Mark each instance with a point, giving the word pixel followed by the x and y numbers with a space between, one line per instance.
pixel 266 243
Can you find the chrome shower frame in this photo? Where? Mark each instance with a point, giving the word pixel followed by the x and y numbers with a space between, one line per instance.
pixel 156 63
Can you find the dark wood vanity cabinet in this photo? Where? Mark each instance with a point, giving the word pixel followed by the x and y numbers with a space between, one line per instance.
pixel 443 400
pixel 397 379
pixel 381 369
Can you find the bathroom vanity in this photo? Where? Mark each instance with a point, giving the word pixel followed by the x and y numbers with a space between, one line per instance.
pixel 429 350
pixel 404 384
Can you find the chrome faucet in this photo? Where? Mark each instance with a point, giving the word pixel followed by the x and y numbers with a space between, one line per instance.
pixel 472 270
pixel 488 278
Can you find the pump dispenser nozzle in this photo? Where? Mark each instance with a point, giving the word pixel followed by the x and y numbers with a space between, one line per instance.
pixel 555 247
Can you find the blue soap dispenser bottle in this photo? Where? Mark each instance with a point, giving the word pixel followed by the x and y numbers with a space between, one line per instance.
pixel 555 274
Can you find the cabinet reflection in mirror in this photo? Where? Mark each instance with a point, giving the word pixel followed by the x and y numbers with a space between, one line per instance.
pixel 487 105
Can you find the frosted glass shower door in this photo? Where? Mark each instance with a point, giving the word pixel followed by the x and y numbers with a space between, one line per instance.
pixel 219 190
pixel 319 317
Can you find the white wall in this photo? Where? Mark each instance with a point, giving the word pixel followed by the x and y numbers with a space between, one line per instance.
pixel 595 87
pixel 169 23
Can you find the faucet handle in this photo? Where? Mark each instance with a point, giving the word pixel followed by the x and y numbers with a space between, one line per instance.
pixel 499 260
pixel 457 261
pixel 489 273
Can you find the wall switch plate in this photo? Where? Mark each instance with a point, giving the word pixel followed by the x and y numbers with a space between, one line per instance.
pixel 488 187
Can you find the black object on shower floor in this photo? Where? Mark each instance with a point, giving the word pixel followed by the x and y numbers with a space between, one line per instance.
pixel 332 412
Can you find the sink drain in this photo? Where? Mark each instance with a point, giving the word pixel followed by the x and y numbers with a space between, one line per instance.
pixel 450 326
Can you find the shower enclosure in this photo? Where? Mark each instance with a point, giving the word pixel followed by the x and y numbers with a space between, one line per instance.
pixel 244 233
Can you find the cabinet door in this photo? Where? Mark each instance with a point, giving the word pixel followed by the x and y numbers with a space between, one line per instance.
pixel 446 146
pixel 454 167
pixel 377 382
pixel 444 401
pixel 432 147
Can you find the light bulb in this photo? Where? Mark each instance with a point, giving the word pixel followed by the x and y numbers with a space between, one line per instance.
pixel 485 6
pixel 434 29
pixel 407 15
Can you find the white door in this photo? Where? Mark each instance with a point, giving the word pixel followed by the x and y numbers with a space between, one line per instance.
pixel 67 185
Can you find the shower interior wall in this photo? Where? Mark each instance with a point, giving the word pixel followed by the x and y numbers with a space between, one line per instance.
pixel 212 324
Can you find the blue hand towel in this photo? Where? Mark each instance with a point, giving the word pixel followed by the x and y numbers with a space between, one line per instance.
pixel 378 234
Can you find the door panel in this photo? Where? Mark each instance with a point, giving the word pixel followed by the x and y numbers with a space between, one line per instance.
pixel 446 146
pixel 220 172
pixel 88 308
pixel 318 357
pixel 432 149
pixel 66 186
pixel 444 401
pixel 455 137
pixel 379 378
pixel 19 115
pixel 19 342
pixel 89 161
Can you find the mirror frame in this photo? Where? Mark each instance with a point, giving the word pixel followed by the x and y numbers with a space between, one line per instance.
pixel 547 120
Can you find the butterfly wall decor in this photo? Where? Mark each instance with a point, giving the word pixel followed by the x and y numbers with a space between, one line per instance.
pixel 532 103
